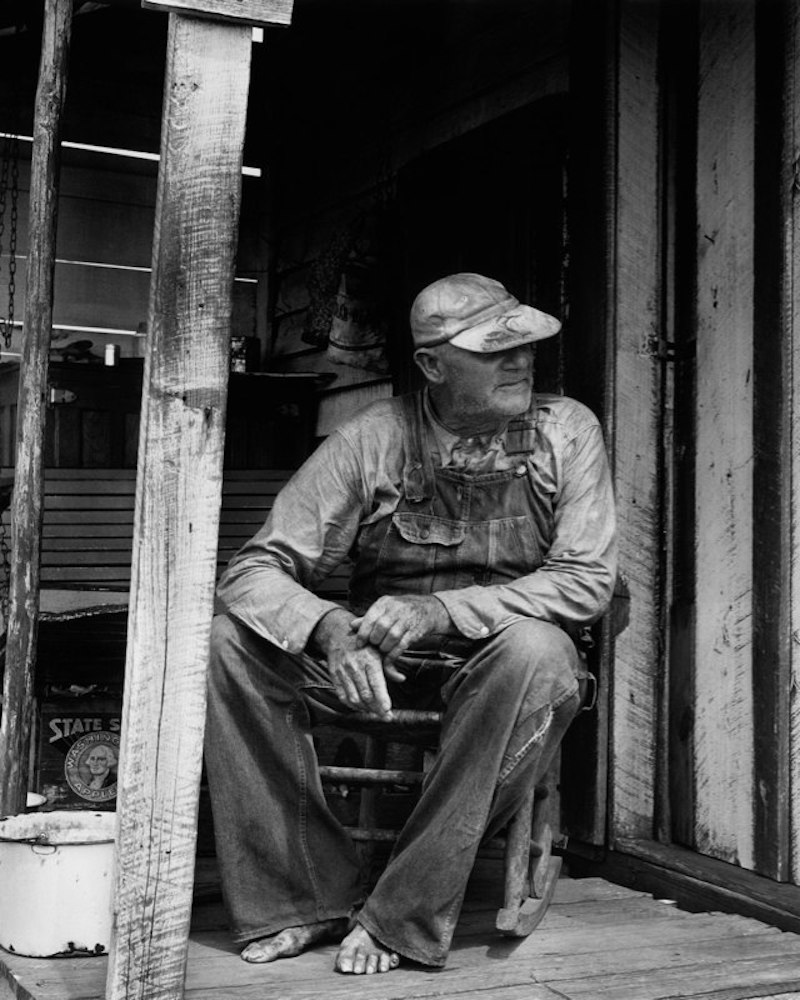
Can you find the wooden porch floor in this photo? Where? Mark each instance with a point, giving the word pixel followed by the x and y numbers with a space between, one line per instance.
pixel 598 941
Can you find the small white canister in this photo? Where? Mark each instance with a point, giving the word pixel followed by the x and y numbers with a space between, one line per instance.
pixel 56 881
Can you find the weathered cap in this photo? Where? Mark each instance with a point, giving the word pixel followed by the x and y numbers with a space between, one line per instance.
pixel 476 314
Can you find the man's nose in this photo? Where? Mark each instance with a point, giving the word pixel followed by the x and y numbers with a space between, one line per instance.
pixel 518 357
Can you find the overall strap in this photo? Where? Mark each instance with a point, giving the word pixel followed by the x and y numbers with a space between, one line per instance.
pixel 418 475
pixel 521 433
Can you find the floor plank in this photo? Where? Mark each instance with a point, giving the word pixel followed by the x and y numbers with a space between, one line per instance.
pixel 598 942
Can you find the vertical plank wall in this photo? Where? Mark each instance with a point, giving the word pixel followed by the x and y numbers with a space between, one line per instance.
pixel 724 472
pixel 634 396
pixel 791 313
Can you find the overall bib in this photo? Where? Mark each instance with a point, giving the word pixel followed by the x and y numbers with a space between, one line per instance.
pixel 454 529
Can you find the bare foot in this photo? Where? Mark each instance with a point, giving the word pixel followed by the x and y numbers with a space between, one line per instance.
pixel 294 940
pixel 361 954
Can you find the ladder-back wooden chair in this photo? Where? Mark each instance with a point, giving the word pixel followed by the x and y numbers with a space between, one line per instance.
pixel 531 869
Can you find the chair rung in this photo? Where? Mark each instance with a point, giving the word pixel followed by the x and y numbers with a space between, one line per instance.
pixel 401 717
pixel 499 844
pixel 369 776
pixel 363 833
pixel 389 836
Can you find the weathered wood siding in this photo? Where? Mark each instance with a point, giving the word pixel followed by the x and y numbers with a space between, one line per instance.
pixel 178 493
pixel 634 409
pixel 723 736
pixel 791 317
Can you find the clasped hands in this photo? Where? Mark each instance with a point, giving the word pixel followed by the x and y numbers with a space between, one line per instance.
pixel 362 652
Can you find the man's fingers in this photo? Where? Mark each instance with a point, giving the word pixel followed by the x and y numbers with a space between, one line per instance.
pixel 381 702
pixel 360 683
pixel 391 671
pixel 387 628
pixel 346 691
pixel 367 625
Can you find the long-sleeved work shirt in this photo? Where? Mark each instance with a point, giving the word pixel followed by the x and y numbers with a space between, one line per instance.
pixel 355 478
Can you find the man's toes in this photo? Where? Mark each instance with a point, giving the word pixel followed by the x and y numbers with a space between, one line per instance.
pixel 287 944
pixel 343 962
pixel 258 951
pixel 293 941
pixel 361 954
pixel 388 961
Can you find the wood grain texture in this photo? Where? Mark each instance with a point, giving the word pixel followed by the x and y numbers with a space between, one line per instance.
pixel 179 483
pixel 723 736
pixel 791 311
pixel 634 396
pixel 256 12
pixel 772 414
pixel 597 938
pixel 29 479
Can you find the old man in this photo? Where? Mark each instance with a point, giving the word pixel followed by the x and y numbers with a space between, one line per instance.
pixel 479 519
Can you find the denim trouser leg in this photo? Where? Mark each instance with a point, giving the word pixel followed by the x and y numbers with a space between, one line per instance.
pixel 507 709
pixel 284 859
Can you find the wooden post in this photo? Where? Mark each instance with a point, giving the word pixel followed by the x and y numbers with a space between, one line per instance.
pixel 772 408
pixel 791 312
pixel 177 505
pixel 634 299
pixel 26 508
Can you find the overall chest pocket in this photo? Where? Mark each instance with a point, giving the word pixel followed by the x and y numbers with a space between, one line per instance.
pixel 412 546
pixel 516 548
pixel 427 529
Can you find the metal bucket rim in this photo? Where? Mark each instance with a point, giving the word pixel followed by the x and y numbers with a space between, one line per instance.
pixel 56 838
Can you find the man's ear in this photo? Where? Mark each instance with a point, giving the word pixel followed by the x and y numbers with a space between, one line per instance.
pixel 430 365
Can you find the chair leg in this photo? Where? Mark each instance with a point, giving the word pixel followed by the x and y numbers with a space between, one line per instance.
pixel 531 870
pixel 374 757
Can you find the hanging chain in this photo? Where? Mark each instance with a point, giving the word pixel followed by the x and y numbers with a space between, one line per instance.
pixel 5 572
pixel 4 169
pixel 5 333
pixel 9 168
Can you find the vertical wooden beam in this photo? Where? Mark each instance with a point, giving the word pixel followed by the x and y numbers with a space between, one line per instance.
pixel 771 457
pixel 634 372
pixel 680 81
pixel 724 475
pixel 28 499
pixel 612 362
pixel 790 189
pixel 584 757
pixel 177 505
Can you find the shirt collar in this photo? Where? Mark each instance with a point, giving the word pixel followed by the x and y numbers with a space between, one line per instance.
pixel 446 440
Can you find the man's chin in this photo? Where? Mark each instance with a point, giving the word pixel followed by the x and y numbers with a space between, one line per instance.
pixel 516 399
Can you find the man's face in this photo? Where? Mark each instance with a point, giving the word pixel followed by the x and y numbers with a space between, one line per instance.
pixel 483 389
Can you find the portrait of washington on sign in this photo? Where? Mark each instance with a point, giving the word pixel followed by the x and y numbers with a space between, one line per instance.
pixel 91 766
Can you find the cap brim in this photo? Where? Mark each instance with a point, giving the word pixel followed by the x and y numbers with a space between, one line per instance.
pixel 520 325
